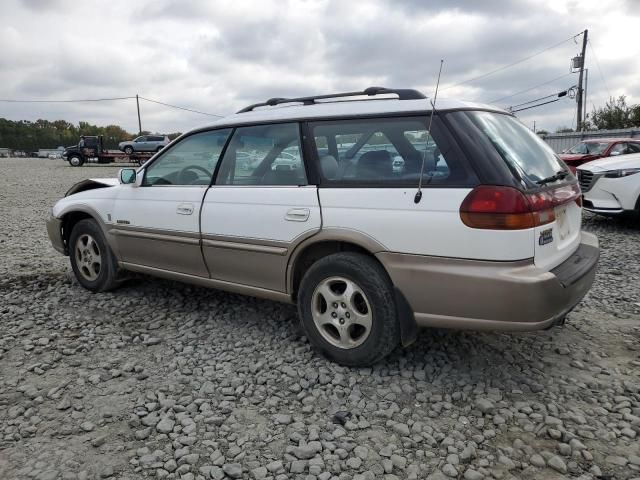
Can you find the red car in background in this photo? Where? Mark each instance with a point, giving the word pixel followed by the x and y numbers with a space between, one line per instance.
pixel 592 149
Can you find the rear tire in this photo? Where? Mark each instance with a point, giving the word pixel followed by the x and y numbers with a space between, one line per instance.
pixel 347 309
pixel 76 161
pixel 92 260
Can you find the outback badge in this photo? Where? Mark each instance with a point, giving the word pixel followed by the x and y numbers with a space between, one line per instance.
pixel 546 236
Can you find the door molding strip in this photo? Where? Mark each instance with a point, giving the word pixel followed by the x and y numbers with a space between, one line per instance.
pixel 178 237
pixel 247 247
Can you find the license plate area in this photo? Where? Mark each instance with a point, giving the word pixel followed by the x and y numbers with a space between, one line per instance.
pixel 562 223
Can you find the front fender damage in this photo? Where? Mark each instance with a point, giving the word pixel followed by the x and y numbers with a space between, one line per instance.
pixel 91 184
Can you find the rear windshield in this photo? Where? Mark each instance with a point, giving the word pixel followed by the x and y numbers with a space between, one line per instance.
pixel 585 148
pixel 522 149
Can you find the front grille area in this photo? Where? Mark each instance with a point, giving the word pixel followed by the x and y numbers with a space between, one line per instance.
pixel 585 178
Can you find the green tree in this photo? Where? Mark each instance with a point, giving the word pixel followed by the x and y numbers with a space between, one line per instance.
pixel 615 114
pixel 564 129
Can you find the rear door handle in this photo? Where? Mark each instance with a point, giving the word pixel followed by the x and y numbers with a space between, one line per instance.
pixel 297 215
pixel 185 209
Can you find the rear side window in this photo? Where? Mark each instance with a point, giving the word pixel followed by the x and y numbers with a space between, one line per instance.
pixel 263 155
pixel 386 152
pixel 518 146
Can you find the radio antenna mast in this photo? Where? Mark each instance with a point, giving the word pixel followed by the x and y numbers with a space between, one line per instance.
pixel 418 196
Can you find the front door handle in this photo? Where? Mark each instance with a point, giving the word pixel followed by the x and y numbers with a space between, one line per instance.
pixel 297 215
pixel 185 209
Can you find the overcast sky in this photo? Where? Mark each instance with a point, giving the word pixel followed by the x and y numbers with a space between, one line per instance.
pixel 218 56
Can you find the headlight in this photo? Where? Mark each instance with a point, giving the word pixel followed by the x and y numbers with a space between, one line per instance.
pixel 624 172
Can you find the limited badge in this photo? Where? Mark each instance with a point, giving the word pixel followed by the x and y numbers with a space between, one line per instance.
pixel 546 236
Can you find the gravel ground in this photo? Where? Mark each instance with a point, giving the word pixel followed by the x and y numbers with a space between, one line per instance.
pixel 173 381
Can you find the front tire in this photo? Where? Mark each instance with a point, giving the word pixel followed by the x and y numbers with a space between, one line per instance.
pixel 347 309
pixel 128 150
pixel 92 261
pixel 76 161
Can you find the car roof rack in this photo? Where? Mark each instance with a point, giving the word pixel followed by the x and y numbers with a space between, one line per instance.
pixel 402 93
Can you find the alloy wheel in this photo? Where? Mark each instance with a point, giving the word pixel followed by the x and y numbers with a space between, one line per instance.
pixel 88 257
pixel 341 312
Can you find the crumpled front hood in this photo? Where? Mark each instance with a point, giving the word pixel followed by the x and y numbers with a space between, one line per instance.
pixel 91 183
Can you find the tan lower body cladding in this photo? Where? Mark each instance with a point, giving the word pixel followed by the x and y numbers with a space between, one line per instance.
pixel 480 295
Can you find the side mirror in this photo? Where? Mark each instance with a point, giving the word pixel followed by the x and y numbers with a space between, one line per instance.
pixel 127 175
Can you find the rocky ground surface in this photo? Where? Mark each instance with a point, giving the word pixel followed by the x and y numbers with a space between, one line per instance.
pixel 159 379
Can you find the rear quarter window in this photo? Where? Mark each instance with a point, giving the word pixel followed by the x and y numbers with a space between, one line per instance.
pixel 380 152
pixel 522 150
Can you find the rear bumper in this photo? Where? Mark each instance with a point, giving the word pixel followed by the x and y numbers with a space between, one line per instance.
pixel 54 229
pixel 478 295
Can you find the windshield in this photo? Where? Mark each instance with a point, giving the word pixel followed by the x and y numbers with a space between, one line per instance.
pixel 591 148
pixel 522 149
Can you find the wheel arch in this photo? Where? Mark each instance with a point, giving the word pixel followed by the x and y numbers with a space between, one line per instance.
pixel 333 241
pixel 324 243
pixel 71 217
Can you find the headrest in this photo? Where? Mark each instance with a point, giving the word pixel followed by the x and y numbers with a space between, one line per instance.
pixel 330 168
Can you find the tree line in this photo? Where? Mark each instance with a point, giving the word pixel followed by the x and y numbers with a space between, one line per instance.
pixel 30 136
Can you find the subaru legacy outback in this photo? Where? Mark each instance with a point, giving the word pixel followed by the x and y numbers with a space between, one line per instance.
pixel 493 240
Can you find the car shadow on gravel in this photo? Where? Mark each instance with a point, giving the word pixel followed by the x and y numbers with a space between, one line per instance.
pixel 444 350
pixel 460 350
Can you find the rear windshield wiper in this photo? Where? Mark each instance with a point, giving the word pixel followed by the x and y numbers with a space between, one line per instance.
pixel 557 176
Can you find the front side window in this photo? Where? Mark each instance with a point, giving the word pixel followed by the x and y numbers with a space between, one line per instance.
pixel 263 155
pixel 191 161
pixel 518 146
pixel 384 151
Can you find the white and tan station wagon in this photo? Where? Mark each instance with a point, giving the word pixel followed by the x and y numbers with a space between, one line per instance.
pixel 316 201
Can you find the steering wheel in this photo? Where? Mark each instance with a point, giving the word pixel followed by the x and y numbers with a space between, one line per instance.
pixel 181 175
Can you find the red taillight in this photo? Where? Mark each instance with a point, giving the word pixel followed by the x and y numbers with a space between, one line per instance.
pixel 506 208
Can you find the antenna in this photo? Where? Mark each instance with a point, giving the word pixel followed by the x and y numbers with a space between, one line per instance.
pixel 418 196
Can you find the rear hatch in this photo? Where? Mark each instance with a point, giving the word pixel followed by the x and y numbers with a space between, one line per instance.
pixel 549 188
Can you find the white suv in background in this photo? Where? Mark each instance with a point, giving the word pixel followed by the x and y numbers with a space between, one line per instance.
pixel 611 186
pixel 493 240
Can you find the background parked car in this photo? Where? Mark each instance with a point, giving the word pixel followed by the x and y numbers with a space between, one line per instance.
pixel 144 143
pixel 611 186
pixel 593 149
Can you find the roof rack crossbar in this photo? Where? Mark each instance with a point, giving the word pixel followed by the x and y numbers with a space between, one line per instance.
pixel 402 93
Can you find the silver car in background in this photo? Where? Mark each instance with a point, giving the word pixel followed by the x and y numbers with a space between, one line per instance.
pixel 144 143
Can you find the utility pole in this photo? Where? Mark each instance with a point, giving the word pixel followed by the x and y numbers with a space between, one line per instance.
pixel 140 123
pixel 534 126
pixel 586 82
pixel 579 122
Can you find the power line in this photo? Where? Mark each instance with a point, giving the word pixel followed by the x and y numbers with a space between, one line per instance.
pixel 531 88
pixel 599 69
pixel 504 67
pixel 557 94
pixel 534 106
pixel 181 108
pixel 7 100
